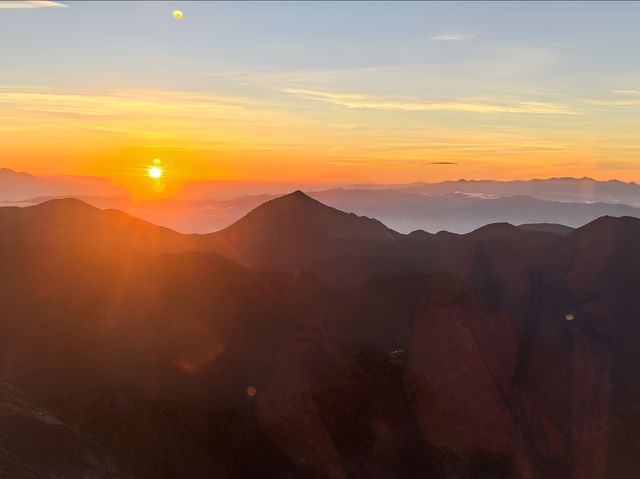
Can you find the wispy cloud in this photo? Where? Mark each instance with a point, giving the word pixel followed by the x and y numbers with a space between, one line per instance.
pixel 150 115
pixel 443 163
pixel 360 101
pixel 626 92
pixel 453 37
pixel 26 4
pixel 630 102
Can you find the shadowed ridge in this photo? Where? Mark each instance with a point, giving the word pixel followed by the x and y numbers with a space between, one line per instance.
pixel 8 172
pixel 555 228
pixel 70 222
pixel 76 212
pixel 298 213
pixel 65 205
pixel 60 449
pixel 496 231
pixel 296 231
pixel 608 225
pixel 607 243
pixel 447 234
pixel 419 234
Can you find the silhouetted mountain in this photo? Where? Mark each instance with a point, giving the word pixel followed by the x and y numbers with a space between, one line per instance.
pixel 65 222
pixel 16 186
pixel 547 227
pixel 522 209
pixel 403 211
pixel 496 231
pixel 297 213
pixel 298 232
pixel 576 190
pixel 500 353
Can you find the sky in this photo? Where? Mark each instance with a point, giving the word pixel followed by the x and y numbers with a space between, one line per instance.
pixel 335 92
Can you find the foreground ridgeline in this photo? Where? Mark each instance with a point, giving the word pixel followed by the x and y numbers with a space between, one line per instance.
pixel 306 342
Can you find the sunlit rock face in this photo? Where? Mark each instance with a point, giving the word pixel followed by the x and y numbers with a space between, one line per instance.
pixel 453 352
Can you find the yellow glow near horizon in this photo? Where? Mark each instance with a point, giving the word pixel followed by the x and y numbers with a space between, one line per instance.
pixel 233 137
pixel 177 14
pixel 155 172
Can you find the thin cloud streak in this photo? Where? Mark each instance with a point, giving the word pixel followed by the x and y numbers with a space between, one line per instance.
pixel 30 5
pixel 453 37
pixel 626 92
pixel 634 102
pixel 359 101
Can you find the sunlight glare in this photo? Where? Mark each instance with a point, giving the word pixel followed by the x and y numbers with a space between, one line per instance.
pixel 155 172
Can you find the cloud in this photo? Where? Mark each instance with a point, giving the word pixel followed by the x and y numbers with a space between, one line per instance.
pixel 443 163
pixel 360 101
pixel 453 37
pixel 148 115
pixel 626 92
pixel 633 102
pixel 26 4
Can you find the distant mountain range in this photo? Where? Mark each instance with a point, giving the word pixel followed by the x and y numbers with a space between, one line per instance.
pixel 578 190
pixel 403 212
pixel 454 206
pixel 17 186
pixel 462 213
pixel 304 341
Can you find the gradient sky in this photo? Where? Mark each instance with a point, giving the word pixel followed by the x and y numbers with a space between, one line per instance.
pixel 325 92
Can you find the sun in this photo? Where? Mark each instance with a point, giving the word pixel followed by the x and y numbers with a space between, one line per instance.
pixel 155 172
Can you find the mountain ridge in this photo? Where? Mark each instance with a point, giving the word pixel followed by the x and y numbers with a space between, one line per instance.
pixel 425 344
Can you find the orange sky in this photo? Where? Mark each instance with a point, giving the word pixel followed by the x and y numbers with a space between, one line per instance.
pixel 118 134
pixel 409 95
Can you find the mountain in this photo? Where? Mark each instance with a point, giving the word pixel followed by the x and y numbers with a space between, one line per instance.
pixel 503 352
pixel 17 186
pixel 576 190
pixel 399 210
pixel 65 222
pixel 462 213
pixel 36 444
pixel 298 232
pixel 455 206
pixel 548 227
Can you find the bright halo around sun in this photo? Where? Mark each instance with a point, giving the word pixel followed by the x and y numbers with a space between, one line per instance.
pixel 177 14
pixel 155 172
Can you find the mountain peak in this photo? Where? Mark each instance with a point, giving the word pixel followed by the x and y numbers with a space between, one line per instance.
pixel 296 230
pixel 297 196
pixel 295 206
pixel 13 174
pixel 297 211
pixel 298 193
pixel 69 200
pixel 65 205
pixel 608 226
